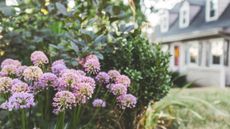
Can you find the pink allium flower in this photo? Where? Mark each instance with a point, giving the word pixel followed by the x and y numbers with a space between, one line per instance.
pixel 48 79
pixel 58 68
pixel 10 62
pixel 127 101
pixel 9 70
pixel 39 58
pixel 5 84
pixel 16 80
pixel 113 74
pixel 92 64
pixel 32 73
pixel 20 87
pixel 63 100
pixel 89 80
pixel 122 79
pixel 83 91
pixel 102 78
pixel 18 101
pixel 20 70
pixel 99 103
pixel 67 80
pixel 58 62
pixel 73 71
pixel 118 89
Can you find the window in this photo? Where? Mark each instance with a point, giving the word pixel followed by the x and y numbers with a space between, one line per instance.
pixel 193 53
pixel 212 10
pixel 176 55
pixel 164 21
pixel 217 52
pixel 184 15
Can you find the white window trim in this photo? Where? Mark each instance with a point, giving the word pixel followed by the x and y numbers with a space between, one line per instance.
pixel 164 14
pixel 221 57
pixel 185 7
pixel 188 54
pixel 207 12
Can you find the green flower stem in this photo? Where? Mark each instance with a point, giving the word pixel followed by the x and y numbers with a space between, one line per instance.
pixel 61 121
pixel 78 114
pixel 47 108
pixel 23 119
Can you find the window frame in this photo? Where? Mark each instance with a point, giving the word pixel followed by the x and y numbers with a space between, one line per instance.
pixel 164 15
pixel 208 10
pixel 212 41
pixel 196 63
pixel 185 8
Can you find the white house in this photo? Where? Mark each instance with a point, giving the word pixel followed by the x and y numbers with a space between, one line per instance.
pixel 197 34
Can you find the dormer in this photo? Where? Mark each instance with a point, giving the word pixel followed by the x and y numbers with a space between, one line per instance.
pixel 214 8
pixel 164 21
pixel 184 19
pixel 167 18
pixel 189 9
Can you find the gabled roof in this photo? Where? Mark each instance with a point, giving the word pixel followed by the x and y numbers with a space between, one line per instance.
pixel 196 2
pixel 197 25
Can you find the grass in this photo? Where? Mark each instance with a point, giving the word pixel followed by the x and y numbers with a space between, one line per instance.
pixel 195 108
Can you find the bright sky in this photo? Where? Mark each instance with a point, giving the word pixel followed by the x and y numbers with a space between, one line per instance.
pixel 153 18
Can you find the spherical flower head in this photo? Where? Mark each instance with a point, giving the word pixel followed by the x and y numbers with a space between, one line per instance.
pixel 21 100
pixel 48 79
pixel 92 65
pixel 67 80
pixel 16 80
pixel 9 70
pixel 83 91
pixel 32 73
pixel 5 84
pixel 113 74
pixel 89 80
pixel 58 68
pixel 63 100
pixel 20 70
pixel 10 62
pixel 91 57
pixel 118 89
pixel 127 101
pixel 39 58
pixel 102 78
pixel 122 79
pixel 58 62
pixel 20 87
pixel 99 103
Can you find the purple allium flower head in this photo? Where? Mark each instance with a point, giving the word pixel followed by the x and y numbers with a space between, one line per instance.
pixel 32 73
pixel 118 89
pixel 39 58
pixel 20 87
pixel 63 100
pixel 89 80
pixel 122 79
pixel 58 62
pixel 48 79
pixel 58 68
pixel 127 101
pixel 16 80
pixel 102 78
pixel 67 80
pixel 9 70
pixel 113 74
pixel 92 64
pixel 20 100
pixel 5 84
pixel 10 62
pixel 83 91
pixel 99 103
pixel 20 70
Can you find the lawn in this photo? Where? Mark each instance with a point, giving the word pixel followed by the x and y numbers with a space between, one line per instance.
pixel 197 108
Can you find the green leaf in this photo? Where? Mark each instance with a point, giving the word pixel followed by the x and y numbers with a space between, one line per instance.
pixel 61 8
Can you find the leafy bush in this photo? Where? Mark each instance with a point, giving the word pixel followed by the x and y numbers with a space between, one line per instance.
pixel 145 63
pixel 178 79
pixel 60 31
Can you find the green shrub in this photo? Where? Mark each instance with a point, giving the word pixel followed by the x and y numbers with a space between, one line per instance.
pixel 145 63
